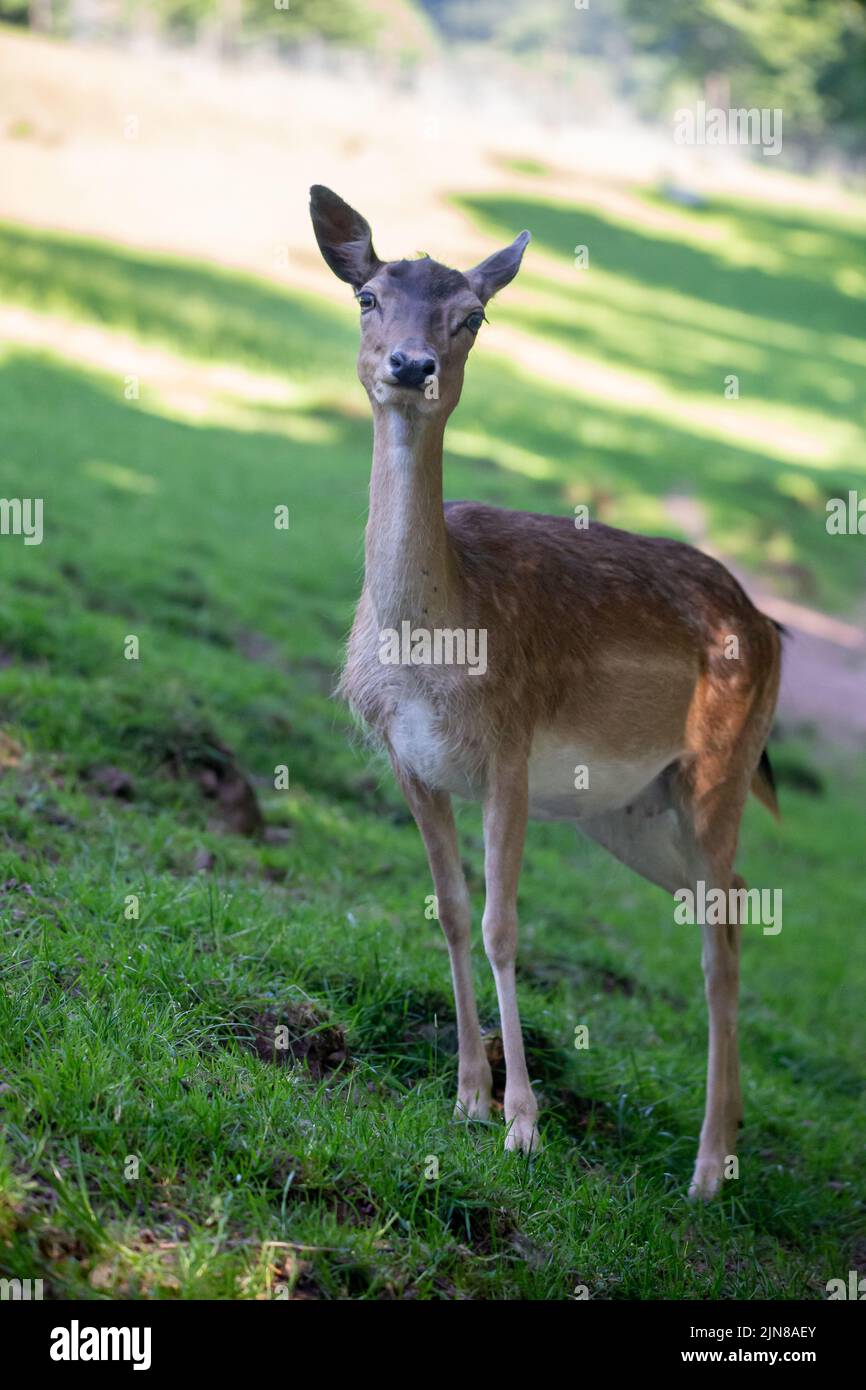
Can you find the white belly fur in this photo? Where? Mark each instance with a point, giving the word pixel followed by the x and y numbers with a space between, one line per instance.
pixel 611 783
pixel 605 783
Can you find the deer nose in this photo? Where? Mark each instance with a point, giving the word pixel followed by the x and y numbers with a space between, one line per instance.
pixel 412 369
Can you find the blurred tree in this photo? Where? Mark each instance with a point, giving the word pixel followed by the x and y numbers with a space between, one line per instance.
pixel 545 26
pixel 36 13
pixel 290 21
pixel 777 53
pixel 841 84
pixel 808 58
pixel 343 21
pixel 40 15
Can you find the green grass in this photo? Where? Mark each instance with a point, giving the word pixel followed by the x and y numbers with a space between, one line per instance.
pixel 774 298
pixel 136 1037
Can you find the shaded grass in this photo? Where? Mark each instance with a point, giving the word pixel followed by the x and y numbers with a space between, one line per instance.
pixel 774 298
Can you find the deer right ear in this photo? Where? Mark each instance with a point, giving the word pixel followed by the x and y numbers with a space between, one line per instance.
pixel 344 237
pixel 498 270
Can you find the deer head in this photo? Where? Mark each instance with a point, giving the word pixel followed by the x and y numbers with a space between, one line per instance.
pixel 419 319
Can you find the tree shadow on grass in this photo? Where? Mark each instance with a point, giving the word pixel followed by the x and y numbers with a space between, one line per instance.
pixel 804 295
pixel 200 310
pixel 522 442
pixel 791 335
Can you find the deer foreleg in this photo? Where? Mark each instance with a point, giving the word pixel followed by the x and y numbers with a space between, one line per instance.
pixel 505 813
pixel 435 819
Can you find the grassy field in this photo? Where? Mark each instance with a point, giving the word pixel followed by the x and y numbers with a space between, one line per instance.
pixel 154 1144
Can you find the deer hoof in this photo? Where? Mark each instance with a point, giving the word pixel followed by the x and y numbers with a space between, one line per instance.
pixel 707 1179
pixel 474 1105
pixel 523 1136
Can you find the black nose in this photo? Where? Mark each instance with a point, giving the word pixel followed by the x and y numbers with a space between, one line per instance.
pixel 411 370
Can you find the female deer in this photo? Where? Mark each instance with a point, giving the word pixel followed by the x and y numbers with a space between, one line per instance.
pixel 605 650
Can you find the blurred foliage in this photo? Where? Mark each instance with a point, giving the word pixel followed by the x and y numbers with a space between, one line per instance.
pixel 808 59
pixel 286 23
pixel 545 26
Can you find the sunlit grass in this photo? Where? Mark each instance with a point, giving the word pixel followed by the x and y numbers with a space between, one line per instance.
pixel 616 385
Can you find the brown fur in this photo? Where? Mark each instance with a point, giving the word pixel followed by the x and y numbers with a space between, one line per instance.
pixel 570 613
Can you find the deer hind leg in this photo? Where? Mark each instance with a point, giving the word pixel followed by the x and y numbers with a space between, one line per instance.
pixel 505 814
pixel 683 829
pixel 735 1094
pixel 728 726
pixel 650 835
pixel 435 819
pixel 717 797
pixel 718 1142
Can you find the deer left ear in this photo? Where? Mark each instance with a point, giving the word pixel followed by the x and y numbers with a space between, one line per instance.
pixel 344 237
pixel 498 270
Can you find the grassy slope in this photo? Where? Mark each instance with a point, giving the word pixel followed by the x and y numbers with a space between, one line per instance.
pixel 131 1037
pixel 773 296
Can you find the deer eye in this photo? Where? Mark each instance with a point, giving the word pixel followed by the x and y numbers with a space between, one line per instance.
pixel 366 299
pixel 474 321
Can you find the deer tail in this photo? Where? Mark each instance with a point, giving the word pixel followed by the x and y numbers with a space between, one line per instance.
pixel 764 786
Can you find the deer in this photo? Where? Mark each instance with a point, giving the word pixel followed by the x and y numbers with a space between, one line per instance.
pixel 606 650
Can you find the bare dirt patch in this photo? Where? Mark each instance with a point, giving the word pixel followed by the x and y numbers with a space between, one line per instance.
pixel 107 780
pixel 212 765
pixel 298 1034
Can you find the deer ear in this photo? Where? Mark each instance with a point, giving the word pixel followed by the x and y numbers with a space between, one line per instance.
pixel 344 237
pixel 498 269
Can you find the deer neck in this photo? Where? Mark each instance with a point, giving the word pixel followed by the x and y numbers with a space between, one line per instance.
pixel 411 573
